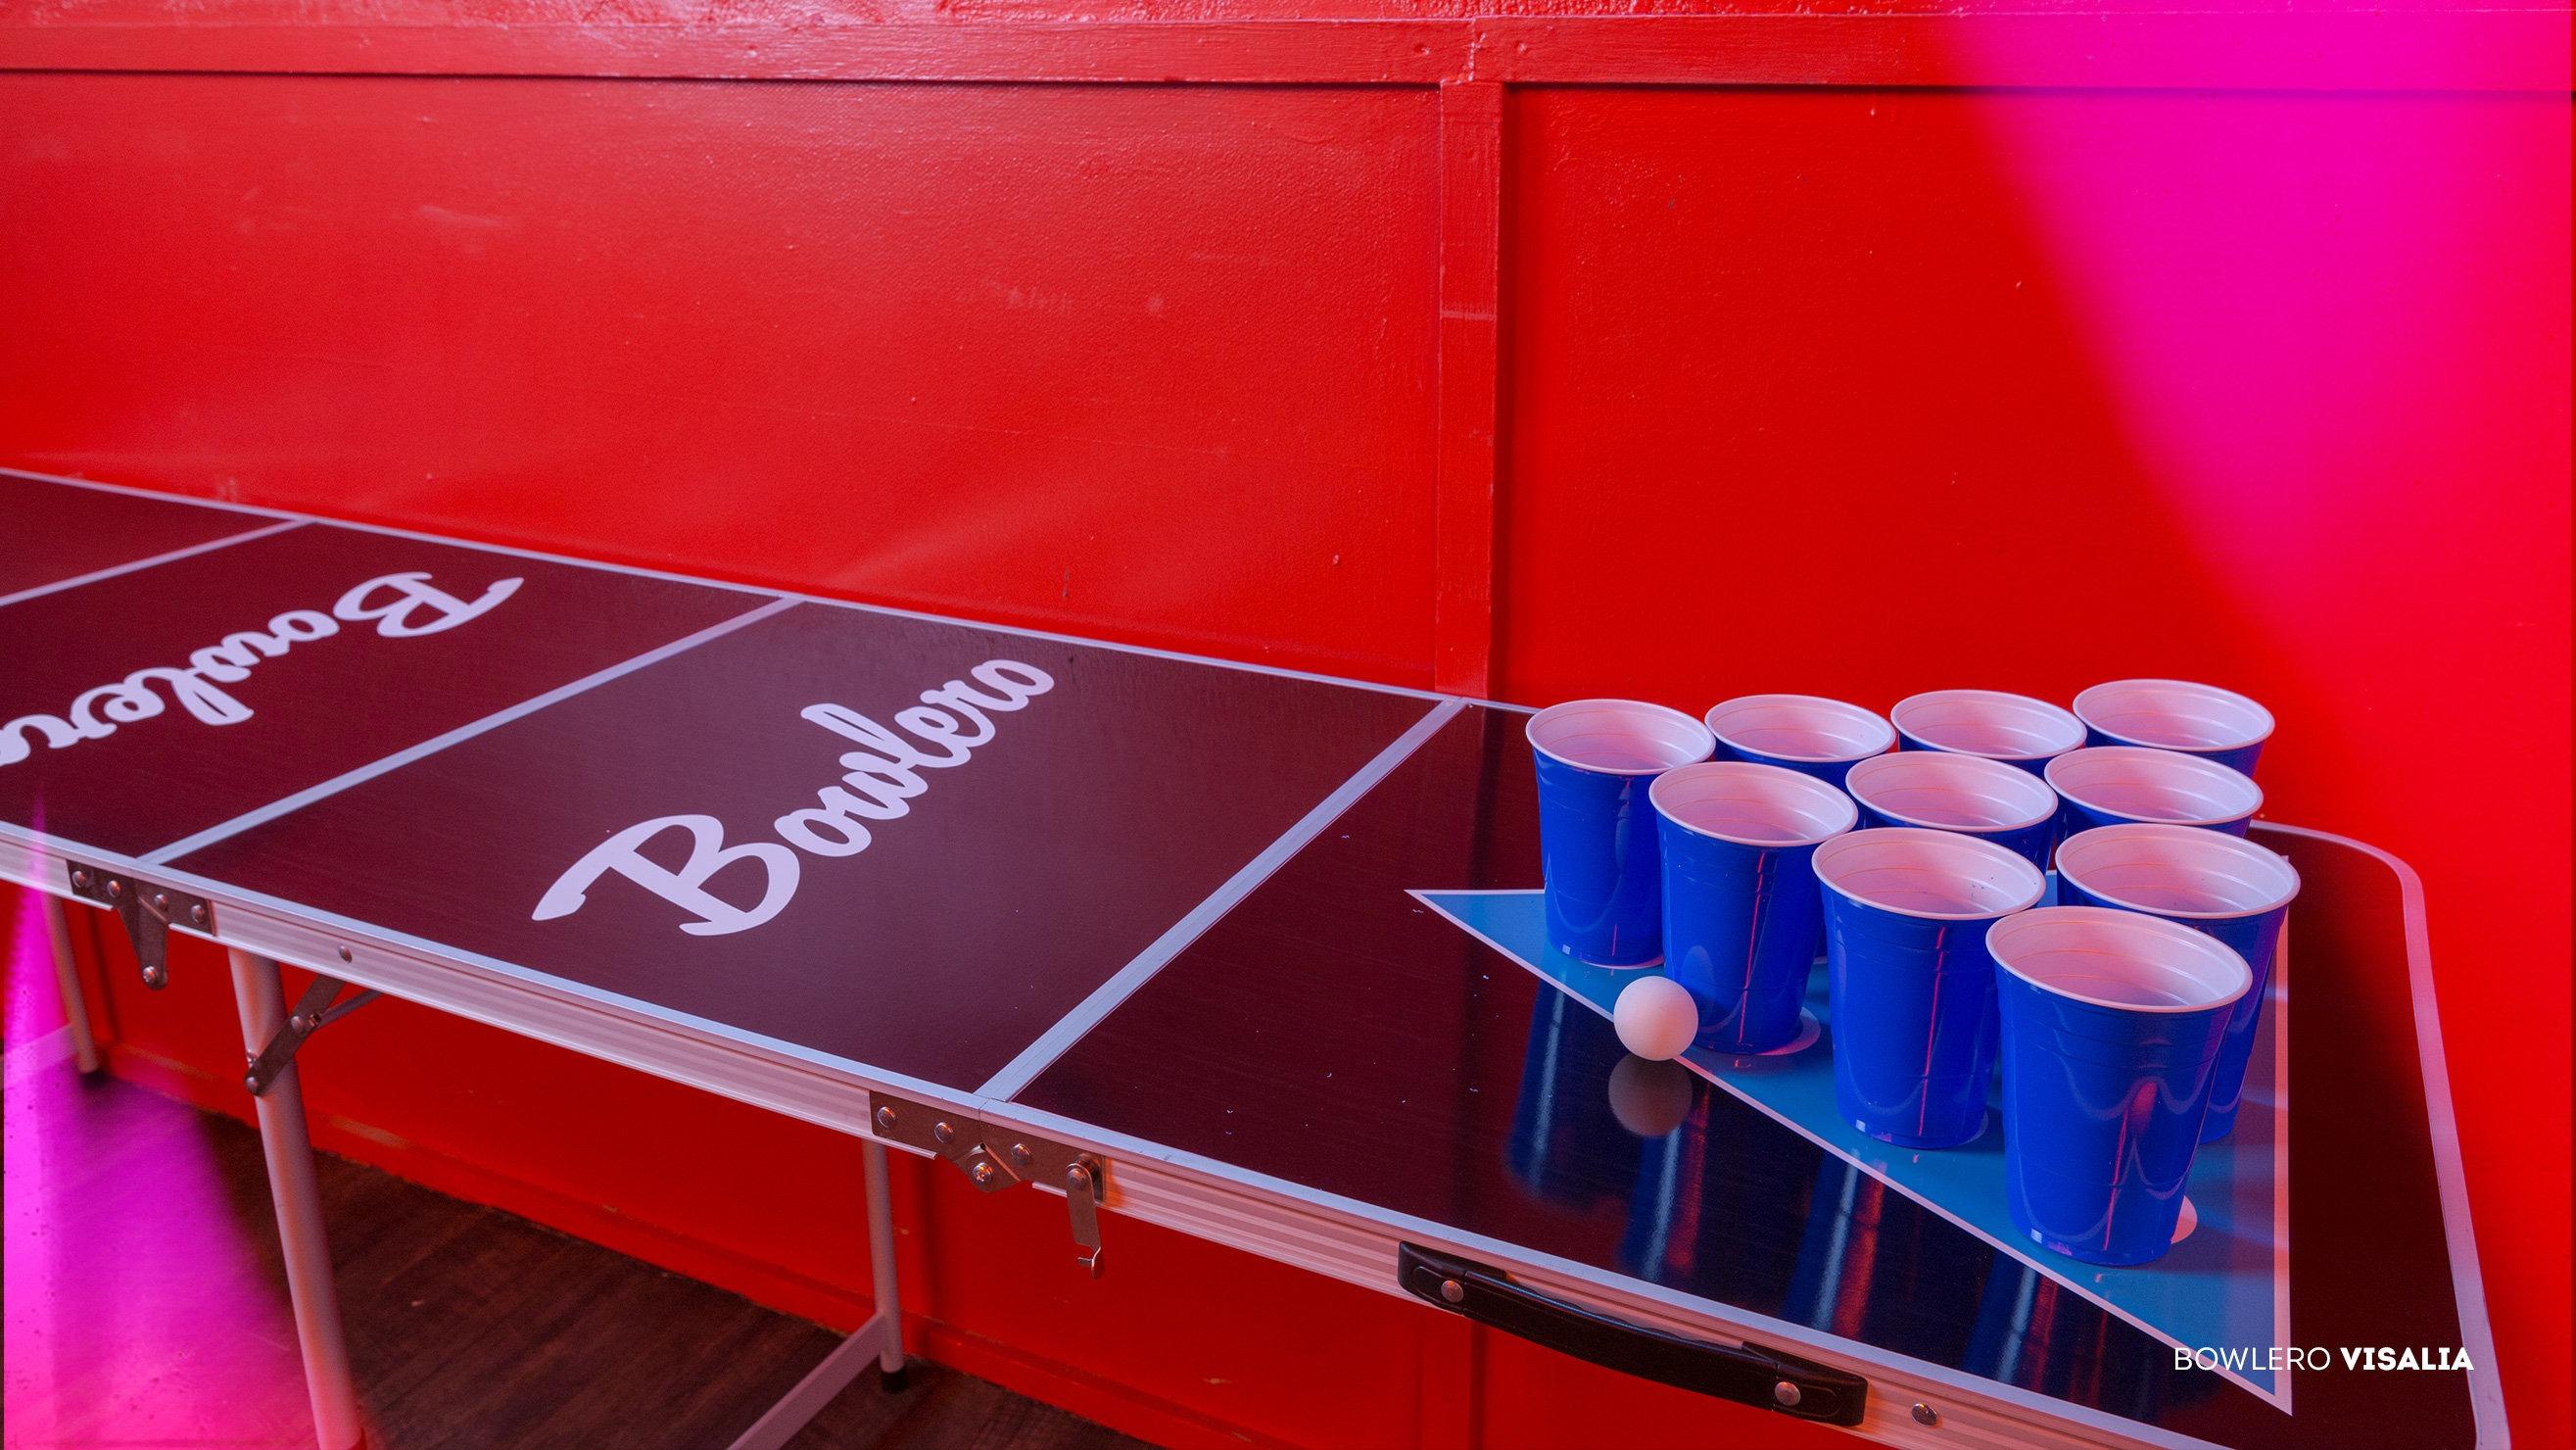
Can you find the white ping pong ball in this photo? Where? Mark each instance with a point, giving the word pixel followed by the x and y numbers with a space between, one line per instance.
pixel 1656 1018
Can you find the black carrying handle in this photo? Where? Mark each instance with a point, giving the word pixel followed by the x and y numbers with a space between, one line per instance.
pixel 1749 1375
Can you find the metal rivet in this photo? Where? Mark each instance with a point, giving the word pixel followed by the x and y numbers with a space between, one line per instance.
pixel 1926 1415
pixel 1021 1155
pixel 1453 1291
pixel 1785 1395
pixel 197 913
pixel 80 881
pixel 944 1131
pixel 250 1081
pixel 983 1174
pixel 161 901
pixel 298 1023
pixel 154 976
pixel 885 1120
pixel 115 887
pixel 344 954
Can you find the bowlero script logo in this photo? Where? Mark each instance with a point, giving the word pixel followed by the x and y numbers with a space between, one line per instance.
pixel 400 606
pixel 878 785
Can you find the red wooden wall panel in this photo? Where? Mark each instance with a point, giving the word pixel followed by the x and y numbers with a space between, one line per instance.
pixel 1785 386
pixel 1153 361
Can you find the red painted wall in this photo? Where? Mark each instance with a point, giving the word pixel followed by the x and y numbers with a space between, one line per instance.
pixel 1805 387
pixel 976 348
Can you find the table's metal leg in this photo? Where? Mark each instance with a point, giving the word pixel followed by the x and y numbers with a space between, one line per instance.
pixel 881 1276
pixel 262 999
pixel 881 1338
pixel 67 981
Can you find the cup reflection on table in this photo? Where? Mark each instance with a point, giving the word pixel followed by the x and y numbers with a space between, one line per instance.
pixel 1568 1145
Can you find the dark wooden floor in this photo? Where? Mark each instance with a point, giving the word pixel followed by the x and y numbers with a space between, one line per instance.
pixel 146 1307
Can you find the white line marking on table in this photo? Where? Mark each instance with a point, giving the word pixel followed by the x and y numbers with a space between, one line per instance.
pixel 286 804
pixel 1104 999
pixel 173 556
pixel 158 495
pixel 2459 1226
pixel 765 591
pixel 1183 657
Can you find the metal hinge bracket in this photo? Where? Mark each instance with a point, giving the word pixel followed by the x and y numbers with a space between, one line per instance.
pixel 148 912
pixel 316 1009
pixel 995 1157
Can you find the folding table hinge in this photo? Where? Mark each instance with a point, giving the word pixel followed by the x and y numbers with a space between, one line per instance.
pixel 148 912
pixel 317 1008
pixel 995 1156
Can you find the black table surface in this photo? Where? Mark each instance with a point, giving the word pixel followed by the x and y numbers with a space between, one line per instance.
pixel 50 532
pixel 1334 1033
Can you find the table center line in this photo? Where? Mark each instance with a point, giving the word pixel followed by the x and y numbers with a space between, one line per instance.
pixel 170 557
pixel 1068 1029
pixel 286 805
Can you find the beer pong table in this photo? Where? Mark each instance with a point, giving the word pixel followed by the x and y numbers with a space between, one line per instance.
pixel 1238 951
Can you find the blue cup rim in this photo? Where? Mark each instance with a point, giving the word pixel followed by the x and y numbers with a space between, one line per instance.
pixel 2054 717
pixel 2153 943
pixel 2092 703
pixel 1957 844
pixel 1662 715
pixel 1782 783
pixel 2004 777
pixel 1881 732
pixel 2172 765
pixel 2181 840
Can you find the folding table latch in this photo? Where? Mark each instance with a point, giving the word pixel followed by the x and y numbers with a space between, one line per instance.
pixel 995 1157
pixel 1082 1198
pixel 318 1007
pixel 148 912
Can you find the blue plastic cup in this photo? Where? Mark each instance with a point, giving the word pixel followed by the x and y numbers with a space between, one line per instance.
pixel 2117 785
pixel 1913 990
pixel 2177 715
pixel 1741 913
pixel 1937 791
pixel 1596 832
pixel 1805 733
pixel 2232 889
pixel 2015 729
pixel 2113 1021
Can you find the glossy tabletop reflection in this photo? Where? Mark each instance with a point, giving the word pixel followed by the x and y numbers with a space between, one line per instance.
pixel 1334 1032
